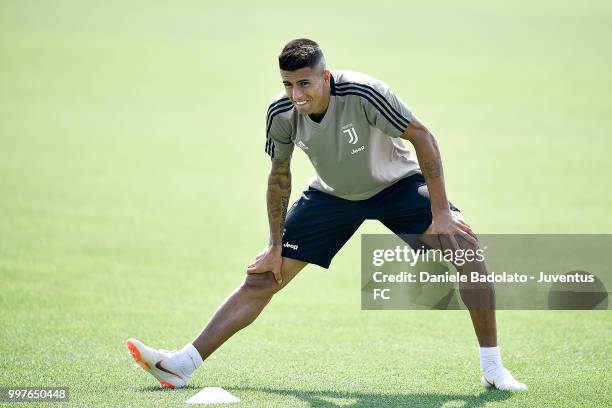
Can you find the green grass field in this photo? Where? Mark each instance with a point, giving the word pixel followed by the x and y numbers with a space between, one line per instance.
pixel 132 183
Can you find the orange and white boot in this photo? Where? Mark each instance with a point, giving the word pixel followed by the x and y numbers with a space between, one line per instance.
pixel 159 364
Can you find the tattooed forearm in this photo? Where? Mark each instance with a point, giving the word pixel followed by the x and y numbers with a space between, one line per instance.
pixel 279 191
pixel 432 162
pixel 432 169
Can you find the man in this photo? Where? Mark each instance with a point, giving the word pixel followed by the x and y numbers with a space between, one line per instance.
pixel 350 126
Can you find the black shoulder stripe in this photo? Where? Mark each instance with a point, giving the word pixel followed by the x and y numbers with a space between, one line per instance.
pixel 398 125
pixel 281 101
pixel 277 111
pixel 384 102
pixel 382 107
pixel 270 147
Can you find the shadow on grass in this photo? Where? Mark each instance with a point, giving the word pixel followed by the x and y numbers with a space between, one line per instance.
pixel 157 388
pixel 324 399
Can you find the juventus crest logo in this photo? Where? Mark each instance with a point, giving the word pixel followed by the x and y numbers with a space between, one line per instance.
pixel 351 134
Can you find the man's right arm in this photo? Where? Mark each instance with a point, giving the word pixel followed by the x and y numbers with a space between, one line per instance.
pixel 277 198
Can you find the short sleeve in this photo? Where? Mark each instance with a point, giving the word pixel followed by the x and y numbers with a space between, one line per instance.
pixel 384 110
pixel 278 132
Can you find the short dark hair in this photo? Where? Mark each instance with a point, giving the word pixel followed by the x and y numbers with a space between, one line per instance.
pixel 300 53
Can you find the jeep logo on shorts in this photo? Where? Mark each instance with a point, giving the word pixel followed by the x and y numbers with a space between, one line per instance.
pixel 291 246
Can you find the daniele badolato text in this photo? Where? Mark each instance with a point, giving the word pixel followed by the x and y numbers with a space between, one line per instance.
pixel 409 257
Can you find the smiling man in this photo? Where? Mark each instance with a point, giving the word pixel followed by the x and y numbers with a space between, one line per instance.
pixel 351 128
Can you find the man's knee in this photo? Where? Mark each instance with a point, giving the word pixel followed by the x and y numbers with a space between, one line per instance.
pixel 466 244
pixel 436 241
pixel 260 285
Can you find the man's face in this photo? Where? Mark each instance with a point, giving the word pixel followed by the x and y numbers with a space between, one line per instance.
pixel 308 89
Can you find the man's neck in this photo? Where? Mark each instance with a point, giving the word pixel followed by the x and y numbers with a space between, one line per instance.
pixel 318 117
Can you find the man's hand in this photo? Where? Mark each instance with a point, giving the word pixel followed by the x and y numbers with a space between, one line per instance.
pixel 268 260
pixel 449 223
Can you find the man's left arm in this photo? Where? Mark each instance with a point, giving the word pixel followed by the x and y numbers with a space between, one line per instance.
pixel 429 158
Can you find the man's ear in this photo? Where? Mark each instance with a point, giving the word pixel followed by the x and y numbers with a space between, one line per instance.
pixel 327 75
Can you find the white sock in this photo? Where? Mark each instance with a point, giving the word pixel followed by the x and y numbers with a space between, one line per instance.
pixel 490 359
pixel 188 359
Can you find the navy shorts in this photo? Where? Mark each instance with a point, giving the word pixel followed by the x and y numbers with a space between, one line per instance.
pixel 319 224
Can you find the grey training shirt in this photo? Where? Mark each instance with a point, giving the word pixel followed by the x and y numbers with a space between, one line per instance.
pixel 356 149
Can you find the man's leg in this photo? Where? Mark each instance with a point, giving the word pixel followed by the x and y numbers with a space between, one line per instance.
pixel 405 208
pixel 174 369
pixel 479 298
pixel 243 306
